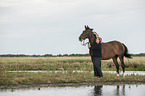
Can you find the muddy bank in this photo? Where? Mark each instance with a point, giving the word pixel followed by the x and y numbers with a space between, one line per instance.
pixel 66 84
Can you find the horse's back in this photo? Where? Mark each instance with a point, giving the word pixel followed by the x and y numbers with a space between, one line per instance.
pixel 111 49
pixel 110 42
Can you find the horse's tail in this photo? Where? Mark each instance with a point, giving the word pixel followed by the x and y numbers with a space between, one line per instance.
pixel 126 54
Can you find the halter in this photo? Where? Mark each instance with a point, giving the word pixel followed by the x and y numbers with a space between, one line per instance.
pixel 83 41
pixel 84 44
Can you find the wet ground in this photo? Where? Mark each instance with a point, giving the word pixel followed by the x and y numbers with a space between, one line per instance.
pixel 113 72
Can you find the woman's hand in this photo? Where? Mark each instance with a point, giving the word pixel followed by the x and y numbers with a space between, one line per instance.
pixel 89 45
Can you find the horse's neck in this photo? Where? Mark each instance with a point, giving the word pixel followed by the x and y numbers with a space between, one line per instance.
pixel 92 39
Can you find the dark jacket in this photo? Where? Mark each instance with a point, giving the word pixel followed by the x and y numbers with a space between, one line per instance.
pixel 96 49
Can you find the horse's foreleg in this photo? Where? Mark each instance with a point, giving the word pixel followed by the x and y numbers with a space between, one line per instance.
pixel 122 65
pixel 116 64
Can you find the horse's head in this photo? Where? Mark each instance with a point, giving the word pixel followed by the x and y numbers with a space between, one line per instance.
pixel 85 33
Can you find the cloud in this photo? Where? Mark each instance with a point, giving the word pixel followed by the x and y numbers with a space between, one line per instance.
pixel 28 21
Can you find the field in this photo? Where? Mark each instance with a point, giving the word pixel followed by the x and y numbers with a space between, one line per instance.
pixel 63 63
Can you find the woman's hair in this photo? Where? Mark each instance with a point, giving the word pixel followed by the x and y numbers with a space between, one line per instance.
pixel 97 36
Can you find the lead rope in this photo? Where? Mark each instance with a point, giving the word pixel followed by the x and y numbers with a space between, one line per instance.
pixel 84 44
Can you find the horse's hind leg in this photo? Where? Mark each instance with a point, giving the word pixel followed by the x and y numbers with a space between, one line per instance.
pixel 116 63
pixel 122 64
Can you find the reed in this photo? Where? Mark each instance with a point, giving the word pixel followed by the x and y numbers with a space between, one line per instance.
pixel 70 77
pixel 65 63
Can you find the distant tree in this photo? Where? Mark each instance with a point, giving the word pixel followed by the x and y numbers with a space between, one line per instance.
pixel 65 55
pixel 59 55
pixel 141 54
pixel 47 55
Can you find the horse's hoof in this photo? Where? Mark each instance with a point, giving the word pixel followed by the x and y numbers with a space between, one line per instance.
pixel 118 75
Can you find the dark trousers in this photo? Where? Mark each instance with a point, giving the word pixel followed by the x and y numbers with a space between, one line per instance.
pixel 97 66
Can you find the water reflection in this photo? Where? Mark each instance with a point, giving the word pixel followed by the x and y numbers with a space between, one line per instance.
pixel 98 90
pixel 93 90
pixel 120 91
pixel 114 90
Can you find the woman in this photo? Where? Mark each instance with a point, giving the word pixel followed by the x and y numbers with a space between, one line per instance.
pixel 97 56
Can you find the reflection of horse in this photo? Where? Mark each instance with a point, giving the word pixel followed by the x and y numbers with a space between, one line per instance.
pixel 113 49
pixel 99 90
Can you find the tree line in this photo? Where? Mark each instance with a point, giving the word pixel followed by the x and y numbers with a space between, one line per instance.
pixel 45 55
pixel 58 55
pixel 141 54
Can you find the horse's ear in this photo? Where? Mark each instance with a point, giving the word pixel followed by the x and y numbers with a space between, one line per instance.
pixel 88 27
pixel 91 29
pixel 85 27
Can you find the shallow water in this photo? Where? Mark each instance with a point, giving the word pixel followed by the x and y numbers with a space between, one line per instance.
pixel 98 90
pixel 113 72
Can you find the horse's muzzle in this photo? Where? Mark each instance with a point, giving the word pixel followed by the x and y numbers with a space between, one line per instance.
pixel 81 38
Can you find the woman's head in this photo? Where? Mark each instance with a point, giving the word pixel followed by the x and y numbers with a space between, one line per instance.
pixel 98 39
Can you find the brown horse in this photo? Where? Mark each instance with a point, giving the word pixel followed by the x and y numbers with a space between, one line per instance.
pixel 113 49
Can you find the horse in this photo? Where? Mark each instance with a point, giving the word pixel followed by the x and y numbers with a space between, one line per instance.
pixel 112 49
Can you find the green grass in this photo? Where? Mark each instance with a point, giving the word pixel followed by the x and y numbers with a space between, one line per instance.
pixel 63 63
pixel 49 78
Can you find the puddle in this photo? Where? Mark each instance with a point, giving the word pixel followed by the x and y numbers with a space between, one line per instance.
pixel 128 72
pixel 113 72
pixel 98 90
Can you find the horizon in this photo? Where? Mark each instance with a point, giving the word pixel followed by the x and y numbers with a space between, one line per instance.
pixel 64 54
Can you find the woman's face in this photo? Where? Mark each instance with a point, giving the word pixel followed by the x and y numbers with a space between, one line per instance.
pixel 97 40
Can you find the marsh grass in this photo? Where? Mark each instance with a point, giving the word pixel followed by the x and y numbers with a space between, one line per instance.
pixel 65 63
pixel 49 78
pixel 37 63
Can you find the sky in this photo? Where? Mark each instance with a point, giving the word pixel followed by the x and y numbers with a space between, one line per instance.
pixel 54 26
